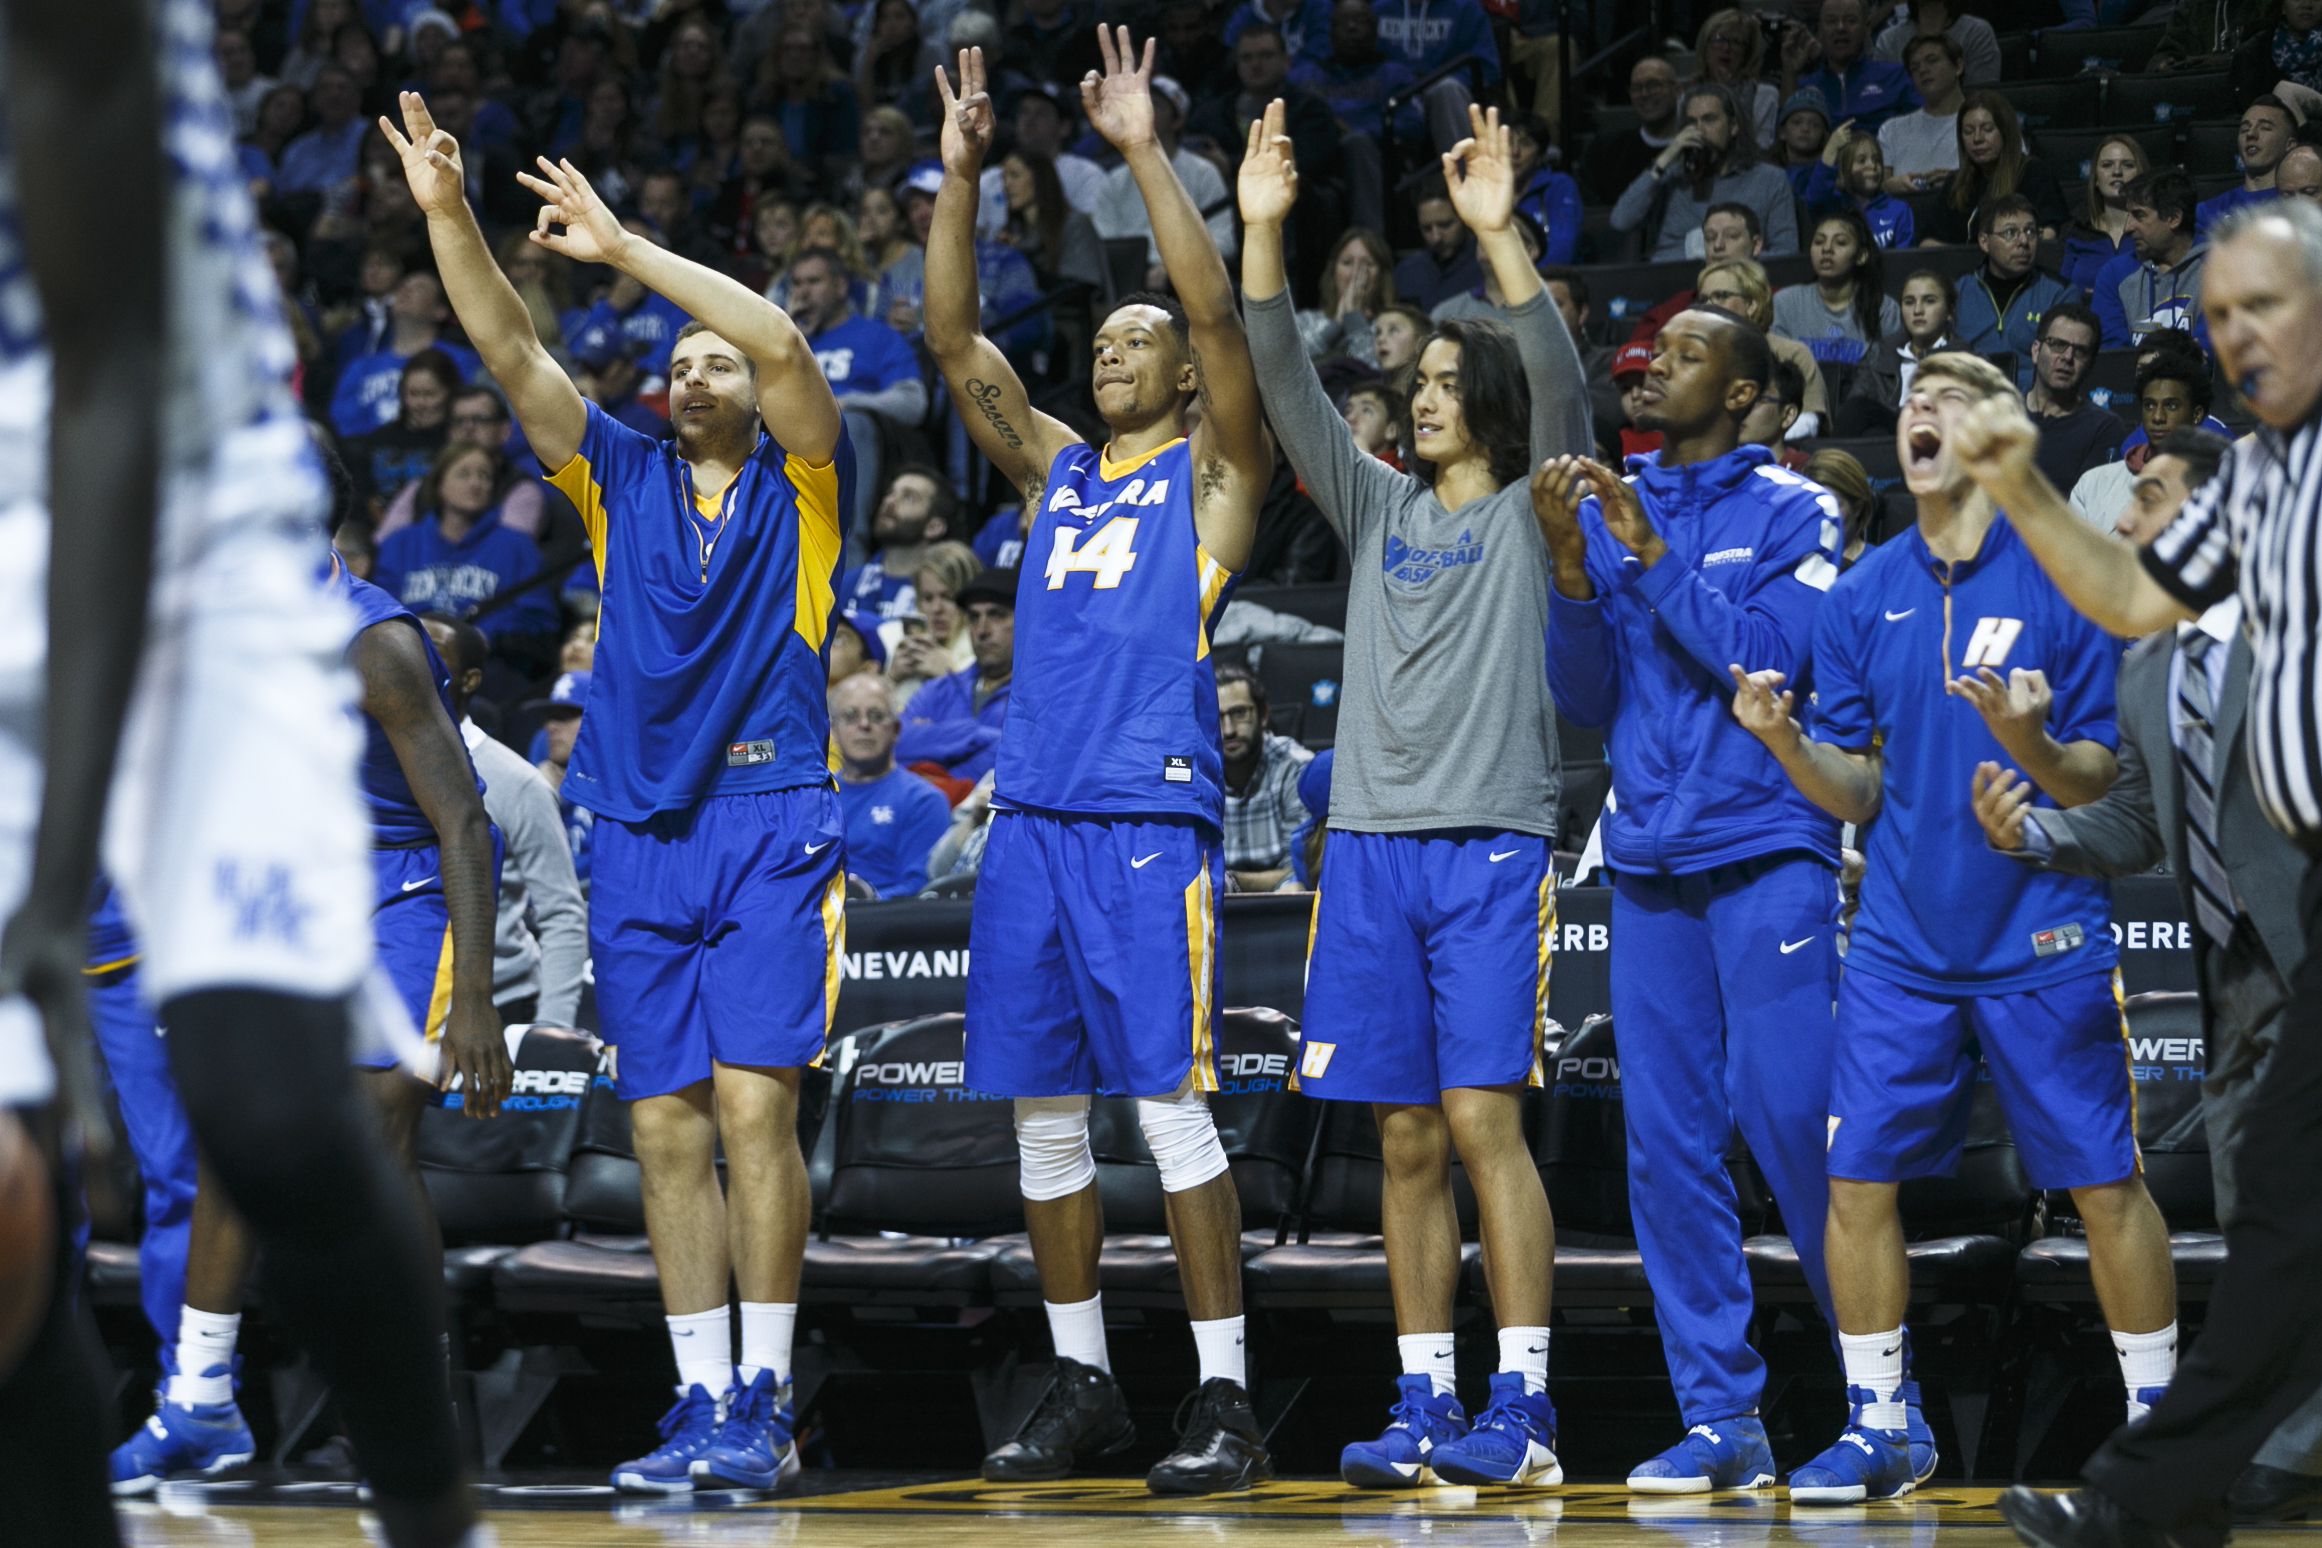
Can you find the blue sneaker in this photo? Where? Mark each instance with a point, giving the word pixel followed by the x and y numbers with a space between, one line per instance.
pixel 686 1432
pixel 1863 1464
pixel 1399 1458
pixel 1923 1454
pixel 204 1439
pixel 1513 1441
pixel 753 1449
pixel 1730 1454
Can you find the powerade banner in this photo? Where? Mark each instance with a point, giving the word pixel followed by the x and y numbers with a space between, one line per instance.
pixel 908 958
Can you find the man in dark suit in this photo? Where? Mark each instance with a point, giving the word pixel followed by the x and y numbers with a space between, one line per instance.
pixel 2184 794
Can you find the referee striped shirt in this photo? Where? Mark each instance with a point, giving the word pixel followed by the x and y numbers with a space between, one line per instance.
pixel 2256 528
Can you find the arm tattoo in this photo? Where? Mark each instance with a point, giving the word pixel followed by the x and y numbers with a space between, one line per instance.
pixel 986 396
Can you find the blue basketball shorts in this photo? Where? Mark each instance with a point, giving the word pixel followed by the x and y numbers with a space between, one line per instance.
pixel 716 934
pixel 1092 957
pixel 411 931
pixel 1903 1079
pixel 1427 966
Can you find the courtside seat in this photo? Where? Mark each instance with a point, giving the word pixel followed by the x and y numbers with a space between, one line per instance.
pixel 502 1180
pixel 1582 1155
pixel 2055 1268
pixel 1949 1269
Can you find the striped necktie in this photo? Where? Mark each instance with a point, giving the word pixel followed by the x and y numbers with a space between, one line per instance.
pixel 2212 888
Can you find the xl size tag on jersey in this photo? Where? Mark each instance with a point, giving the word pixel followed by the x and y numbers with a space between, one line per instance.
pixel 2047 943
pixel 1176 771
pixel 742 754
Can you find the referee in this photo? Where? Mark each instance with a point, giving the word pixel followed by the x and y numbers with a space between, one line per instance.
pixel 2253 528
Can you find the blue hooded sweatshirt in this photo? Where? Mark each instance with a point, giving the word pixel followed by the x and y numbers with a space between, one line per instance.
pixel 427 573
pixel 1753 548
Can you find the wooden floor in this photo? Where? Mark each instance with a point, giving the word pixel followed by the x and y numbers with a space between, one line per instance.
pixel 966 1513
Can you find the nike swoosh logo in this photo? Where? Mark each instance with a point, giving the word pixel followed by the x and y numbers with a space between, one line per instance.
pixel 415 886
pixel 816 849
pixel 1139 865
pixel 1528 1349
pixel 1501 854
pixel 1884 1353
pixel 1791 946
pixel 1905 613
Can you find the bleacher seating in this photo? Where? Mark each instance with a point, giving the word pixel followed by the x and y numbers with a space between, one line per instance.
pixel 2213 147
pixel 2075 50
pixel 2069 152
pixel 2015 56
pixel 2072 103
pixel 2148 99
pixel 1302 685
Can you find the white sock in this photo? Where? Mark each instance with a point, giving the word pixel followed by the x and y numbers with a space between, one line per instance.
pixel 205 1343
pixel 1874 1361
pixel 1219 1343
pixel 2146 1360
pixel 767 1327
pixel 704 1344
pixel 1429 1355
pixel 1077 1328
pixel 1526 1350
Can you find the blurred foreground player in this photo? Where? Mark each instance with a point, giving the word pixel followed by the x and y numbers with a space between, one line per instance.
pixel 234 830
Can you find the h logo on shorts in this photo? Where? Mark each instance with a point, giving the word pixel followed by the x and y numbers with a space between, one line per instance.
pixel 1991 641
pixel 1316 1059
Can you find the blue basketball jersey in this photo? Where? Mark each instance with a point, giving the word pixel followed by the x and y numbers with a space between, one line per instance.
pixel 1113 709
pixel 396 819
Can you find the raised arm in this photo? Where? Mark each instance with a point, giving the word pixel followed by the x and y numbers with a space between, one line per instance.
pixel 1232 462
pixel 985 390
pixel 794 399
pixel 1480 173
pixel 544 399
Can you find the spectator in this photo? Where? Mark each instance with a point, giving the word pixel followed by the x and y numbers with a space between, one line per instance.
pixel 855 646
pixel 1192 52
pixel 1727 231
pixel 894 65
pixel 1446 266
pixel 238 73
pixel 2173 393
pixel 1568 289
pixel 2268 130
pixel 916 511
pixel 311 35
pixel 893 817
pixel 1774 416
pixel 1054 40
pixel 2158 283
pixel 610 378
pixel 1855 86
pixel 559 729
pixel 1801 137
pixel 456 555
pixel 1614 161
pixel 326 155
pixel 1972 36
pixel 479 417
pixel 1354 80
pixel 1713 160
pixel 369 389
pixel 399 453
pixel 902 259
pixel 1883 380
pixel 888 146
pixel 2001 303
pixel 1379 419
pixel 718 154
pixel 540 938
pixel 1739 286
pixel 2300 174
pixel 2170 341
pixel 1262 809
pixel 693 66
pixel 1056 239
pixel 1262 69
pixel 885 238
pixel 1632 364
pixel 1992 165
pixel 1730 51
pixel 1039 117
pixel 2100 232
pixel 954 722
pixel 940 645
pixel 1397 333
pixel 763 173
pixel 1485 299
pixel 1291 545
pixel 1432 34
pixel 1846 309
pixel 2283 54
pixel 806 92
pixel 605 144
pixel 280 119
pixel 868 364
pixel 2075 435
pixel 1357 283
pixel 543 281
pixel 1858 503
pixel 1852 174
pixel 960 851
pixel 1120 209
pixel 1922 146
pixel 1305 25
pixel 826 225
pixel 455 69
pixel 646 318
pixel 1543 194
pixel 773 243
pixel 2194 33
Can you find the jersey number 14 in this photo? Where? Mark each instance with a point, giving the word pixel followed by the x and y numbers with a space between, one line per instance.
pixel 1106 555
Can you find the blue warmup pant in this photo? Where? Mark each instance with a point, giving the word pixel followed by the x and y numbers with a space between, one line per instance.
pixel 137 1059
pixel 1722 984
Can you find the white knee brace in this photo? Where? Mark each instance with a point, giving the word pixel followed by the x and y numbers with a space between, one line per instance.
pixel 1052 1147
pixel 1183 1137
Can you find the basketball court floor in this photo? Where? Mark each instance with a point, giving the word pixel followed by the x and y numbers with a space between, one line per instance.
pixel 844 1510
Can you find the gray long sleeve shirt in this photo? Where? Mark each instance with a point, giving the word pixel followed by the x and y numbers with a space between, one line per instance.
pixel 540 941
pixel 1763 187
pixel 1444 718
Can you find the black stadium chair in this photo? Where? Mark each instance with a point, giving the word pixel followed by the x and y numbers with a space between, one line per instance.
pixel 2015 57
pixel 1305 678
pixel 503 1181
pixel 2079 50
pixel 1954 261
pixel 2165 98
pixel 2213 147
pixel 2069 152
pixel 1582 1154
pixel 1876 453
pixel 2071 103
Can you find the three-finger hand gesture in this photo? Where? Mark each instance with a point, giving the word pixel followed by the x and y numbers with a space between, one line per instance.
pixel 1119 103
pixel 591 234
pixel 1268 183
pixel 1481 172
pixel 431 157
pixel 968 120
pixel 2000 797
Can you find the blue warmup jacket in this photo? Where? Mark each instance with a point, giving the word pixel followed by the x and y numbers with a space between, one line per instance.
pixel 1752 549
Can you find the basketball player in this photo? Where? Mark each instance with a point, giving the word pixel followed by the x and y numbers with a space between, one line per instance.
pixel 1427 974
pixel 1955 946
pixel 434 871
pixel 1093 961
pixel 716 915
pixel 233 831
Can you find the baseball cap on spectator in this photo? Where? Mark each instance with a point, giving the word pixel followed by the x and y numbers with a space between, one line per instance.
pixel 924 177
pixel 600 346
pixel 441 20
pixel 570 692
pixel 1806 99
pixel 1163 86
pixel 991 586
pixel 867 625
pixel 1631 360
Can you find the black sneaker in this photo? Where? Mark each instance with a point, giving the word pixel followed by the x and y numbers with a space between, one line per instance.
pixel 1081 1417
pixel 1218 1449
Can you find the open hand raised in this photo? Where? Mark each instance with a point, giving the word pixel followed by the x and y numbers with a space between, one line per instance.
pixel 1268 182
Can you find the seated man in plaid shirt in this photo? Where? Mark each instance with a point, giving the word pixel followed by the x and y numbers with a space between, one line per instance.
pixel 1262 809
